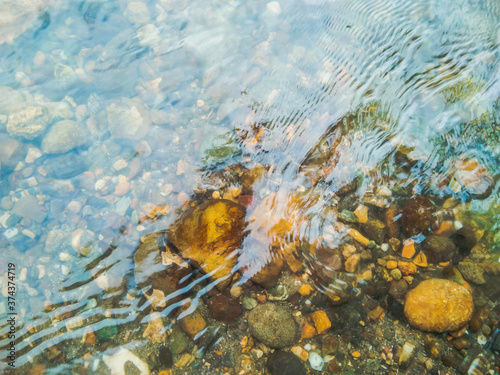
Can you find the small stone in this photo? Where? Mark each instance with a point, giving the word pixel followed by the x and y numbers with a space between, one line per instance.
pixel 236 291
pixel 391 264
pixel 396 274
pixel 308 331
pixel 165 356
pixel 274 7
pixel 29 121
pixel 375 230
pixel 473 177
pixel 28 207
pixel 348 217
pixel 155 330
pixel 223 308
pixel 123 357
pixel 362 213
pixel 356 354
pixel 438 249
pixel 193 323
pixel 358 237
pixel 305 289
pixel 249 303
pixel 120 164
pixel 184 360
pixel 407 268
pixel 321 321
pixel 122 187
pixel 408 249
pixel 438 305
pixel 420 260
pixel 352 263
pixel 137 12
pixel 330 345
pixel 177 341
pixel 406 356
pixel 316 361
pixel 417 215
pixel 376 313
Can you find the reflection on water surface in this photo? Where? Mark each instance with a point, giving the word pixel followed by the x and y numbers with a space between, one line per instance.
pixel 249 187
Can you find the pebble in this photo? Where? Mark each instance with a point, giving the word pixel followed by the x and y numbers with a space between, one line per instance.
pixel 224 308
pixel 273 325
pixel 281 362
pixel 116 362
pixel 62 137
pixel 321 321
pixel 316 361
pixel 32 155
pixel 120 164
pixel 249 303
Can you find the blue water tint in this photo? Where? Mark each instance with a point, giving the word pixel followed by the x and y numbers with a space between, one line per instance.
pixel 177 99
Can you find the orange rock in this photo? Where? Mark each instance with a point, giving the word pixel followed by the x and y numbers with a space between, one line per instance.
pixel 321 321
pixel 268 275
pixel 391 264
pixel 376 313
pixel 305 289
pixel 408 249
pixel 261 298
pixel 209 234
pixel 89 337
pixel 356 354
pixel 308 331
pixel 164 372
pixel 407 268
pixel 438 305
pixel 444 264
pixel 446 228
pixel 38 369
pixel 392 225
pixel 420 260
pixel 155 330
pixel 193 323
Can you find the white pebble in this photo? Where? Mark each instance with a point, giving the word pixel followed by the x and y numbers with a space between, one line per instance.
pixel 41 271
pixel 65 270
pixel 28 233
pixel 384 246
pixel 274 7
pixel 120 164
pixel 64 257
pixel 33 154
pixel 316 361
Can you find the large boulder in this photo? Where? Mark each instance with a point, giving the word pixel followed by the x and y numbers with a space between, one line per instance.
pixel 438 305
pixel 208 235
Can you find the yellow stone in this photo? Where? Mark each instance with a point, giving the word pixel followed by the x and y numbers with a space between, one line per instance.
pixel 362 213
pixel 438 305
pixel 408 249
pixel 300 352
pixel 421 260
pixel 321 321
pixel 391 264
pixel 305 289
pixel 358 237
pixel 193 323
pixel 356 354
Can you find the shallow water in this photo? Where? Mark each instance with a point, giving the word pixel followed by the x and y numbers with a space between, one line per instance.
pixel 170 104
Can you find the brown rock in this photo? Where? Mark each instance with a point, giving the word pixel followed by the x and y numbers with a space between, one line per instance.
pixel 193 323
pixel 308 331
pixel 407 268
pixel 375 230
pixel 352 263
pixel 438 249
pixel 417 215
pixel 224 308
pixel 208 234
pixel 390 222
pixel 268 275
pixel 398 288
pixel 438 305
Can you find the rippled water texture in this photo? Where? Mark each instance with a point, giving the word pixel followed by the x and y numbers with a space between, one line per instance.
pixel 122 124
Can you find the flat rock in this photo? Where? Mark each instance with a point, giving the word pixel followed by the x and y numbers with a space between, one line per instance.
pixel 273 325
pixel 28 207
pixel 62 137
pixel 281 362
pixel 65 166
pixel 208 234
pixel 11 151
pixel 438 305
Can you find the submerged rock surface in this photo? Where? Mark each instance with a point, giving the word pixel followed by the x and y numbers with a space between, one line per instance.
pixel 438 305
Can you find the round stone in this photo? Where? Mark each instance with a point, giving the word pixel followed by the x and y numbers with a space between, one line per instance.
pixel 438 305
pixel 273 325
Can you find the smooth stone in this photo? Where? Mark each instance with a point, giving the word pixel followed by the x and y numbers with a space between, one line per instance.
pixel 10 100
pixel 280 363
pixel 28 207
pixel 127 118
pixel 62 137
pixel 273 325
pixel 11 151
pixel 249 303
pixel 375 230
pixel 166 356
pixel 438 305
pixel 472 272
pixel 417 215
pixel 177 341
pixel 224 308
pixel 65 166
pixel 208 234
pixel 123 358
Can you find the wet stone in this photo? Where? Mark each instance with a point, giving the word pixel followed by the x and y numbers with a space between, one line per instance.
pixel 208 234
pixel 438 305
pixel 224 308
pixel 273 325
pixel 438 249
pixel 249 303
pixel 62 137
pixel 11 151
pixel 375 230
pixel 127 118
pixel 177 341
pixel 65 166
pixel 417 215
pixel 472 272
pixel 281 362
pixel 28 207
pixel 165 356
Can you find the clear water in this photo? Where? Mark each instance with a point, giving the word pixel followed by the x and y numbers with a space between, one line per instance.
pixel 318 92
